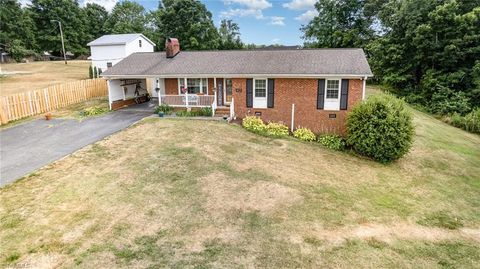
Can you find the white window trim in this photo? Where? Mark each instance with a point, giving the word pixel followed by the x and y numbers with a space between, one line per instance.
pixel 201 84
pixel 266 92
pixel 331 100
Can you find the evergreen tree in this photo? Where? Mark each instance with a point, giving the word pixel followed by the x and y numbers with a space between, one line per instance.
pixel 90 72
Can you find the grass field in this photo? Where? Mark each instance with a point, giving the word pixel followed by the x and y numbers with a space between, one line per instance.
pixel 202 194
pixel 38 75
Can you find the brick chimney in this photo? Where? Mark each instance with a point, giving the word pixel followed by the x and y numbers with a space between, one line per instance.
pixel 172 47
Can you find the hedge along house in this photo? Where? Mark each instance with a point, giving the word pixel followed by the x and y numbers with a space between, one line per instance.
pixel 313 88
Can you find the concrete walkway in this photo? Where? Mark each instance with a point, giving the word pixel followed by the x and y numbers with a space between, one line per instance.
pixel 29 146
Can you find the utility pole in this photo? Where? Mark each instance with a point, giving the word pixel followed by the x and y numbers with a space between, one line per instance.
pixel 63 44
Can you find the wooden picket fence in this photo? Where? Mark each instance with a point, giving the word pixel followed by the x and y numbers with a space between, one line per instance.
pixel 21 105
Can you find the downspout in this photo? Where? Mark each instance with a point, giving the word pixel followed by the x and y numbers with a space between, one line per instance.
pixel 363 89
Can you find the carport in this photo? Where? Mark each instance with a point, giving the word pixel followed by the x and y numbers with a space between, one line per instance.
pixel 130 91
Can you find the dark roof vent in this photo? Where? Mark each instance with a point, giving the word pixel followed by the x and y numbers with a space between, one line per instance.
pixel 172 47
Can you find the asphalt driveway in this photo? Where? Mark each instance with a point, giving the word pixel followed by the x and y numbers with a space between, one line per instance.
pixel 27 147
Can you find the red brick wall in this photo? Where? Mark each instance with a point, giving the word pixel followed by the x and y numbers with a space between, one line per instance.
pixel 303 93
pixel 171 86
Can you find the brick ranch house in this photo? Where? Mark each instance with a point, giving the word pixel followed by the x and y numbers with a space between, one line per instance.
pixel 313 88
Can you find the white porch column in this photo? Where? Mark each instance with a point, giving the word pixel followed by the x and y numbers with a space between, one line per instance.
pixel 215 89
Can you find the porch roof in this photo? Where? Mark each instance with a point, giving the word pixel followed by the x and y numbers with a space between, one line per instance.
pixel 241 63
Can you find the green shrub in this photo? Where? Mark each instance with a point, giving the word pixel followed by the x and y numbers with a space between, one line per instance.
pixel 206 112
pixel 276 129
pixel 304 134
pixel 166 109
pixel 332 141
pixel 185 113
pixel 93 111
pixel 380 128
pixel 254 124
pixel 469 122
pixel 446 101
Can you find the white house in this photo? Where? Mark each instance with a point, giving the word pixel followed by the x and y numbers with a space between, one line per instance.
pixel 108 50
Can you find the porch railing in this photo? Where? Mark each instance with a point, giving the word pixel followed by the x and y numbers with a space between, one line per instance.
pixel 187 100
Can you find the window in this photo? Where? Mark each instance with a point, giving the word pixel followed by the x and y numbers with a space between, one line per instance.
pixel 260 88
pixel 140 43
pixel 333 89
pixel 109 64
pixel 193 85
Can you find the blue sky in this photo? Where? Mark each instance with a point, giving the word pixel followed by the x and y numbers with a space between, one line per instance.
pixel 261 21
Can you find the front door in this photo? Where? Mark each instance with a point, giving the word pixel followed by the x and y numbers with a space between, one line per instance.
pixel 228 91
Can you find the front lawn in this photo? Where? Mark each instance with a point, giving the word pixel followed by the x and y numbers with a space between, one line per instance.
pixel 187 193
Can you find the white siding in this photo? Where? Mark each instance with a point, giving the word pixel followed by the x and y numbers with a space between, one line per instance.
pixel 115 91
pixel 103 54
pixel 133 47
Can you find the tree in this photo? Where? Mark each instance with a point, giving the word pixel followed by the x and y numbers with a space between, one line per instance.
pixel 95 17
pixel 17 33
pixel 229 35
pixel 339 23
pixel 126 17
pixel 70 15
pixel 429 51
pixel 190 22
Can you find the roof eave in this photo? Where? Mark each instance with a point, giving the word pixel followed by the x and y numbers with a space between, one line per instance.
pixel 107 76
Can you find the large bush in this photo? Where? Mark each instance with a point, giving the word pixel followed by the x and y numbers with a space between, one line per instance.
pixel 380 128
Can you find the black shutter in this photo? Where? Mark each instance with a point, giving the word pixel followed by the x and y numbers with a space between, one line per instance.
pixel 321 93
pixel 249 92
pixel 344 95
pixel 271 92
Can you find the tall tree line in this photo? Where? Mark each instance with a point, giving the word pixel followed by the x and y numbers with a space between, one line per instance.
pixel 33 28
pixel 427 51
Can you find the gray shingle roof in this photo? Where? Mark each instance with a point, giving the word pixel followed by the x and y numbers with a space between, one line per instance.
pixel 245 62
pixel 116 39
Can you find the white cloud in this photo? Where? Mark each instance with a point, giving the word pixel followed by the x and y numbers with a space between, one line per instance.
pixel 250 4
pixel 107 4
pixel 242 12
pixel 253 8
pixel 276 20
pixel 300 4
pixel 307 16
pixel 275 40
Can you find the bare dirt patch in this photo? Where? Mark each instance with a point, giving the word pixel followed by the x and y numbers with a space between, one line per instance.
pixel 391 232
pixel 225 194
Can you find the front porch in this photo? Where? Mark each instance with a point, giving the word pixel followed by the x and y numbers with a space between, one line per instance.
pixel 188 93
pixel 197 93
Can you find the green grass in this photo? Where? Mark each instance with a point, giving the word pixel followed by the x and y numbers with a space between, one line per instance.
pixel 177 193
